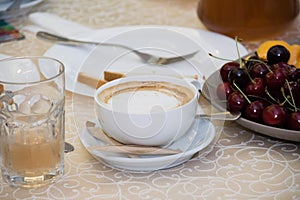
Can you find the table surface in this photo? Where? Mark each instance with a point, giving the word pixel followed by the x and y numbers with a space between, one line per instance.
pixel 241 164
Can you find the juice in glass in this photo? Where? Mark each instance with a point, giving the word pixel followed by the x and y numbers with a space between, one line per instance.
pixel 31 120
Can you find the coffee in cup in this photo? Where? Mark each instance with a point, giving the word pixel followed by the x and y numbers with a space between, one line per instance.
pixel 138 97
pixel 146 110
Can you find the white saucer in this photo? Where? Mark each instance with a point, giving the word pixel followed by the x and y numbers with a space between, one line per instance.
pixel 199 136
pixel 158 40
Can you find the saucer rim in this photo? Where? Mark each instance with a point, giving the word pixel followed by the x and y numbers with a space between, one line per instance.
pixel 173 160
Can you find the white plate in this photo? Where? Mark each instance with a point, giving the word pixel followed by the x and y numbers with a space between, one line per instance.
pixel 24 8
pixel 209 91
pixel 199 136
pixel 159 40
pixel 2 56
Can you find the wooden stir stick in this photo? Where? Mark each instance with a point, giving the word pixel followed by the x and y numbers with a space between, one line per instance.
pixel 116 147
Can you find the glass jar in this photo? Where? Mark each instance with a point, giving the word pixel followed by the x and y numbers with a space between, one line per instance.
pixel 248 19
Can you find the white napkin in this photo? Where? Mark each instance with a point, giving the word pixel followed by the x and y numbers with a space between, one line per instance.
pixel 52 23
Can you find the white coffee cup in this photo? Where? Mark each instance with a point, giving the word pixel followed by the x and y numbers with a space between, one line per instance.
pixel 146 110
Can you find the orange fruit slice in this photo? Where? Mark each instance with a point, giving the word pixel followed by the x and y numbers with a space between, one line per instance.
pixel 295 55
pixel 262 50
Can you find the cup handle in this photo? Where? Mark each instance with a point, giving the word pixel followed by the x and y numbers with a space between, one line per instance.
pixel 197 85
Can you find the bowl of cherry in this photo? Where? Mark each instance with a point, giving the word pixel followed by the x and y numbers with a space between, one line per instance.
pixel 264 87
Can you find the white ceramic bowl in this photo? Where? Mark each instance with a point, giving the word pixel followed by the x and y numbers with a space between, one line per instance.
pixel 152 126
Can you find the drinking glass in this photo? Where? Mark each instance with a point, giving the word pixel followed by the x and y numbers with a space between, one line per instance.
pixel 248 19
pixel 32 97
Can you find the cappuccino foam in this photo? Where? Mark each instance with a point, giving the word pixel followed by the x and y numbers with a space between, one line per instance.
pixel 145 96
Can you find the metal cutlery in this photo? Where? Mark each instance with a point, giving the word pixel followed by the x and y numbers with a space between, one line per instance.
pixel 225 115
pixel 146 57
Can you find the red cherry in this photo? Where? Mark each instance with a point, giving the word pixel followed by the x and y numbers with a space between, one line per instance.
pixel 274 115
pixel 226 68
pixel 288 69
pixel 256 87
pixel 276 78
pixel 295 89
pixel 236 101
pixel 254 110
pixel 278 53
pixel 275 95
pixel 252 60
pixel 258 70
pixel 223 90
pixel 239 77
pixel 295 75
pixel 293 121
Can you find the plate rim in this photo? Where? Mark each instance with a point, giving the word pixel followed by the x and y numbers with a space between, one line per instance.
pixel 251 125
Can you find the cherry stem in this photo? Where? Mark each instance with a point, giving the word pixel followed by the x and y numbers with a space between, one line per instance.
pixel 292 96
pixel 238 52
pixel 248 74
pixel 219 58
pixel 241 60
pixel 262 62
pixel 245 96
pixel 271 97
pixel 281 104
pixel 295 109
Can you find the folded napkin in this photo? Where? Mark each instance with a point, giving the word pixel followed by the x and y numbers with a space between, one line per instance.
pixel 52 23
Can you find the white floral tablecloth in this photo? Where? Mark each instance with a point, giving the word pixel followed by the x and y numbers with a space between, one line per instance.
pixel 241 164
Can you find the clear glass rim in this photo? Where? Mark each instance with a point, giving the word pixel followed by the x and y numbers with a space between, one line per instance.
pixel 62 68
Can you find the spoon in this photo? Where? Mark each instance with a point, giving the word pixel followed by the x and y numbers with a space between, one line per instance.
pixel 226 115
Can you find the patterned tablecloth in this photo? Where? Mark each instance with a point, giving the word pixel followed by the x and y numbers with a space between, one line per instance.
pixel 241 164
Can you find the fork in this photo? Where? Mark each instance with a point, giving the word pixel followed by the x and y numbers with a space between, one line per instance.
pixel 148 58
